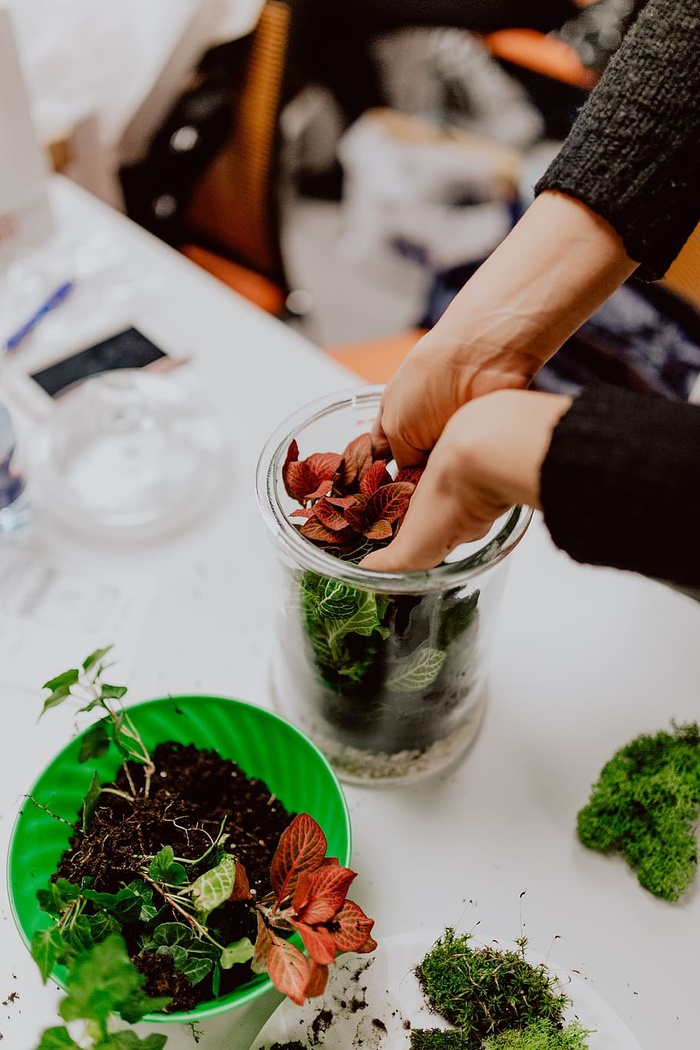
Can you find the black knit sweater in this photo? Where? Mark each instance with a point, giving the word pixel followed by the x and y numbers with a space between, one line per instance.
pixel 633 155
pixel 621 478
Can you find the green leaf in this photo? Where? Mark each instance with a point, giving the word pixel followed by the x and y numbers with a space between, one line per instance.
pixel 112 692
pixel 88 930
pixel 456 615
pixel 95 658
pixel 130 1041
pixel 337 601
pixel 95 743
pixel 68 678
pixel 237 952
pixel 90 802
pixel 56 1039
pixel 57 697
pixel 171 934
pixel 139 1004
pixel 215 886
pixel 46 949
pixel 57 896
pixel 125 904
pixel 145 895
pixel 416 671
pixel 165 869
pixel 194 968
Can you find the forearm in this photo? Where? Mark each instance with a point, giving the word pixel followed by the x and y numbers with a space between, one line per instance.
pixel 553 270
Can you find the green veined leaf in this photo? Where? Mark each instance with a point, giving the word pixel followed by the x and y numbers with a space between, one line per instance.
pixel 215 886
pixel 416 671
pixel 172 934
pixel 125 904
pixel 90 802
pixel 337 601
pixel 195 968
pixel 363 621
pixel 237 952
pixel 46 949
pixel 56 1039
pixel 56 897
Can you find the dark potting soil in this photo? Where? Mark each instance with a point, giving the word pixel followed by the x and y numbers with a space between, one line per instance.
pixel 191 793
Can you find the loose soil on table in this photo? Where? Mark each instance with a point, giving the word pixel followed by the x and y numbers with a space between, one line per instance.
pixel 191 793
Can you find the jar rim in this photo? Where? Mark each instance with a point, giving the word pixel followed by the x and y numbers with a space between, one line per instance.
pixel 448 574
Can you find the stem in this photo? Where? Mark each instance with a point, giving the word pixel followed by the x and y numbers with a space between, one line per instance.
pixel 50 813
pixel 199 929
pixel 118 793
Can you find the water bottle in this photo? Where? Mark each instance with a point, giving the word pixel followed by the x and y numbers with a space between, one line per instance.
pixel 14 510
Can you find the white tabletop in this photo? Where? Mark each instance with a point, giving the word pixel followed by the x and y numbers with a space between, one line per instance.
pixel 584 660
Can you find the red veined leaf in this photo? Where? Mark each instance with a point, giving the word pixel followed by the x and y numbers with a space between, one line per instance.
pixel 325 893
pixel 303 512
pixel 410 474
pixel 330 860
pixel 376 476
pixel 324 464
pixel 318 533
pixel 390 502
pixel 380 530
pixel 351 928
pixel 322 489
pixel 369 946
pixel 292 455
pixel 355 515
pixel 356 460
pixel 241 886
pixel 329 516
pixel 289 970
pixel 318 978
pixel 302 847
pixel 318 942
pixel 342 501
pixel 299 481
pixel 263 946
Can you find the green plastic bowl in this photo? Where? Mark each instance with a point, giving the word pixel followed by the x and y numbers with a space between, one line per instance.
pixel 261 743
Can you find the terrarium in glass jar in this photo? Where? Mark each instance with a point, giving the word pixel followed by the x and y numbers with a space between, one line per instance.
pixel 384 671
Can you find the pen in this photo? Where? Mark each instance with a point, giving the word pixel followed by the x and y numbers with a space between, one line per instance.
pixel 46 307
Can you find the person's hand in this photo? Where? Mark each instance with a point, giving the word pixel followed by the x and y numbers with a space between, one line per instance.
pixel 487 459
pixel 556 266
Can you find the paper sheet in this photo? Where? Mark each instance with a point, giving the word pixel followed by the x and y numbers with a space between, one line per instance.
pixel 52 617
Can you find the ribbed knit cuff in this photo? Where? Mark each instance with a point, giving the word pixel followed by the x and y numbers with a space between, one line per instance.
pixel 620 484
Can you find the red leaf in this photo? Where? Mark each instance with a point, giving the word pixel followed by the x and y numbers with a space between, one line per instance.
pixel 390 502
pixel 355 515
pixel 329 516
pixel 322 489
pixel 263 947
pixel 318 533
pixel 324 464
pixel 318 978
pixel 356 460
pixel 299 481
pixel 410 474
pixel 303 512
pixel 322 893
pixel 380 530
pixel 292 455
pixel 352 928
pixel 241 886
pixel 289 970
pixel 343 501
pixel 376 475
pixel 302 847
pixel 369 946
pixel 318 942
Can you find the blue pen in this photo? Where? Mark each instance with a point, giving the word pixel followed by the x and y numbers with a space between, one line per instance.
pixel 46 307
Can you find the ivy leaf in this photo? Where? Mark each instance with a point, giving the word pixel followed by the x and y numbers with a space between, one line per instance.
pixel 55 898
pixel 56 1039
pixel 125 904
pixel 195 968
pixel 130 1041
pixel 165 869
pixel 46 949
pixel 241 951
pixel 100 982
pixel 90 802
pixel 96 657
pixel 95 743
pixel 89 930
pixel 416 671
pixel 214 887
pixel 172 934
pixel 301 847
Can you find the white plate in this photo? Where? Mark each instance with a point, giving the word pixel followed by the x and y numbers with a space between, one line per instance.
pixel 374 1000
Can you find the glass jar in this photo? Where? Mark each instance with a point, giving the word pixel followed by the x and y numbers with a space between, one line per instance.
pixel 384 671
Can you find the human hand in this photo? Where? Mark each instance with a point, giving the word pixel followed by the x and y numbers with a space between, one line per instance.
pixel 487 459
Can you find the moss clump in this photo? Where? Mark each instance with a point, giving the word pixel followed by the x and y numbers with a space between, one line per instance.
pixel 542 1035
pixel 437 1039
pixel 486 991
pixel 645 806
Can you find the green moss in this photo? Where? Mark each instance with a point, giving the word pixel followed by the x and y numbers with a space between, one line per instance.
pixel 437 1039
pixel 486 991
pixel 645 804
pixel 542 1035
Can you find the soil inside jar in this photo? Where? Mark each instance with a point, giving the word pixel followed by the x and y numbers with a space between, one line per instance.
pixel 191 793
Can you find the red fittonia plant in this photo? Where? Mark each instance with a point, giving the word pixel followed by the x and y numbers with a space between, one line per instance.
pixel 350 502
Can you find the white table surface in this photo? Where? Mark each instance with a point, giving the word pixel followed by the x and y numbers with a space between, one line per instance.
pixel 584 660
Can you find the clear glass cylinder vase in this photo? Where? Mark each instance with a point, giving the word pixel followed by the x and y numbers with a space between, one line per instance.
pixel 384 671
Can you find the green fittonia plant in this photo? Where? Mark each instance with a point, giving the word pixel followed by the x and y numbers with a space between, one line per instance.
pixel 645 805
pixel 173 906
pixel 372 652
pixel 495 998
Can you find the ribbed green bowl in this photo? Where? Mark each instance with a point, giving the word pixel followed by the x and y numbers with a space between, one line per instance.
pixel 261 743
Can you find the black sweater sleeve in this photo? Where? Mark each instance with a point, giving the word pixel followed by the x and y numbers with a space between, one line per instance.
pixel 633 154
pixel 620 484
